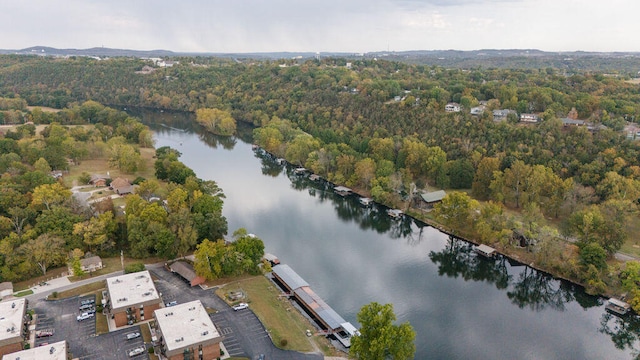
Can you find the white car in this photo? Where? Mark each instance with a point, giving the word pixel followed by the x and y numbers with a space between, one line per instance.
pixel 241 306
pixel 137 351
pixel 84 316
pixel 133 335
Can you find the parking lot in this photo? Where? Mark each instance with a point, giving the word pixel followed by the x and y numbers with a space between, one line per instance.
pixel 243 334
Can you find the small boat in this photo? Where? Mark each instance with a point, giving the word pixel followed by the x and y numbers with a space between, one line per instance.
pixel 365 201
pixel 618 307
pixel 314 177
pixel 300 171
pixel 255 147
pixel 485 250
pixel 395 213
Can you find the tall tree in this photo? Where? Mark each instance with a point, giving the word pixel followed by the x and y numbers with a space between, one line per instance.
pixel 379 337
pixel 44 251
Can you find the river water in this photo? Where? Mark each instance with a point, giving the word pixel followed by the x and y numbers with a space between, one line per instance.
pixel 462 306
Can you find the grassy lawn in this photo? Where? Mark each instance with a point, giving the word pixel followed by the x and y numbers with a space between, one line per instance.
pixel 113 264
pixel 146 336
pixel 51 274
pixel 82 290
pixel 282 320
pixel 24 293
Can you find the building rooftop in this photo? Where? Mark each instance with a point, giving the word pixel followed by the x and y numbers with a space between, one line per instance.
pixel 433 196
pixel 11 319
pixel 186 324
pixel 289 277
pixel 55 351
pixel 324 311
pixel 132 289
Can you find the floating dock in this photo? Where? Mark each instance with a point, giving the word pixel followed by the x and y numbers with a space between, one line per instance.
pixel 365 201
pixel 326 317
pixel 395 213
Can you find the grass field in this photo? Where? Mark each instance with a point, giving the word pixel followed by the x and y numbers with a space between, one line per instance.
pixel 283 322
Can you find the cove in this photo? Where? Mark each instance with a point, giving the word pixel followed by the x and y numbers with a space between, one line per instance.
pixel 462 306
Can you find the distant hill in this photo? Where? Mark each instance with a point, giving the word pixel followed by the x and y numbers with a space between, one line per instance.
pixel 620 62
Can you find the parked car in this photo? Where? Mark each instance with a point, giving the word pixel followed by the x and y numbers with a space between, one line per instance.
pixel 85 307
pixel 133 335
pixel 44 333
pixel 261 357
pixel 241 306
pixel 137 351
pixel 84 316
pixel 172 303
pixel 87 302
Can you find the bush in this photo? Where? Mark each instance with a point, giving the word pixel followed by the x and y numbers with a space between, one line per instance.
pixel 84 178
pixel 135 267
pixel 283 343
pixel 138 180
pixel 151 350
pixel 54 294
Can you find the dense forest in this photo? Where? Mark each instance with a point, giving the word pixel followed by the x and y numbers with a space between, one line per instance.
pixel 42 225
pixel 381 127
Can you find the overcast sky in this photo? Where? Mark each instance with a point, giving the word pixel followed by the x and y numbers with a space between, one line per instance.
pixel 322 25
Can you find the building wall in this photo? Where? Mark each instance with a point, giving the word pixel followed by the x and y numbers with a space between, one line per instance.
pixel 121 317
pixel 10 348
pixel 210 352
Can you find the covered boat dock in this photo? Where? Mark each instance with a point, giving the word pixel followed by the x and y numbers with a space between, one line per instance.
pixel 326 317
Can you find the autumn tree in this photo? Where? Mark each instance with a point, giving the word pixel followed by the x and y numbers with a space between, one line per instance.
pixel 44 251
pixel 217 121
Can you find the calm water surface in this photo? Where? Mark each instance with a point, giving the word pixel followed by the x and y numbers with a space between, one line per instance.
pixel 461 306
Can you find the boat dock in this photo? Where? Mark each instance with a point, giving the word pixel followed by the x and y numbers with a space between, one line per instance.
pixel 485 250
pixel 329 320
pixel 342 190
pixel 618 307
pixel 365 201
pixel 395 213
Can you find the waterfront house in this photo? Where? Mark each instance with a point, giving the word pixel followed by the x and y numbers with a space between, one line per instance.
pixel 431 198
pixel 477 110
pixel 486 251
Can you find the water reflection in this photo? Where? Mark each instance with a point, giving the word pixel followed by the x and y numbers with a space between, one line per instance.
pixel 462 306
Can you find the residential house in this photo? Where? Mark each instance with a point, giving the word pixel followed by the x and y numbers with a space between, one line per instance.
pixel 56 351
pixel 13 325
pixel 529 118
pixel 122 186
pixel 502 114
pixel 185 331
pixel 186 271
pixel 132 298
pixel 99 180
pixel 477 110
pixel 89 264
pixel 566 122
pixel 431 198
pixel 452 107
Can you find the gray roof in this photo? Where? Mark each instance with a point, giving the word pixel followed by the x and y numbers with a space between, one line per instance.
pixel 567 121
pixel 433 196
pixel 290 277
pixel 324 311
pixel 94 260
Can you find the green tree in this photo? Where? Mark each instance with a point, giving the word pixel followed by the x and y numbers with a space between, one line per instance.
pixel 379 338
pixel 50 194
pixel 455 210
pixel 484 176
